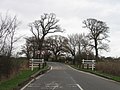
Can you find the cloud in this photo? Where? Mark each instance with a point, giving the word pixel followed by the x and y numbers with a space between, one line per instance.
pixel 71 14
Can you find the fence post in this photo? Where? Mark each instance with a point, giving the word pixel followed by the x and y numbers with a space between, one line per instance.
pixel 92 65
pixel 87 66
pixel 39 65
pixel 83 63
pixel 32 64
pixel 42 63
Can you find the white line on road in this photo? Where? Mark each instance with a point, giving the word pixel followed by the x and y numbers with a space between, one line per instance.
pixel 93 75
pixel 74 81
pixel 34 79
pixel 27 84
pixel 51 68
pixel 40 76
pixel 79 87
pixel 54 87
pixel 44 74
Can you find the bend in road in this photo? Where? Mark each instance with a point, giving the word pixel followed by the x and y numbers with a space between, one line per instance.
pixel 62 77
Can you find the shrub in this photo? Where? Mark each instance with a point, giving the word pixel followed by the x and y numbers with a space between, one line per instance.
pixel 10 66
pixel 5 67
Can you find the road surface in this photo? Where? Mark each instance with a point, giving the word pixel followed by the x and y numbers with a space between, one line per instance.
pixel 63 77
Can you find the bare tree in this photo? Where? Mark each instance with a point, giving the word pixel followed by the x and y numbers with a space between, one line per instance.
pixel 86 48
pixel 11 38
pixel 72 45
pixel 98 34
pixel 28 47
pixel 56 45
pixel 82 46
pixel 79 39
pixel 40 28
pixel 77 44
pixel 8 27
pixel 5 24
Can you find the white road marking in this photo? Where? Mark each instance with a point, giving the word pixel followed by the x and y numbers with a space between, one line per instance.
pixel 40 76
pixel 27 84
pixel 34 79
pixel 79 87
pixel 53 85
pixel 34 86
pixel 75 83
pixel 93 75
pixel 44 74
pixel 51 68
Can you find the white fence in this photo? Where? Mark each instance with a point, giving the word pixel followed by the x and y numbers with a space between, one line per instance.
pixel 35 63
pixel 88 64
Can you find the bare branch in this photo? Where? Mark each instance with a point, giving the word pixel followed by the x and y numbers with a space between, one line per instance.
pixel 98 32
pixel 47 24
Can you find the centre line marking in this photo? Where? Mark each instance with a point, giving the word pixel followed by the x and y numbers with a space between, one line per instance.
pixel 74 81
pixel 79 87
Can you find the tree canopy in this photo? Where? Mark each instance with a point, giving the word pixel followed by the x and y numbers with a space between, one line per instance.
pixel 98 34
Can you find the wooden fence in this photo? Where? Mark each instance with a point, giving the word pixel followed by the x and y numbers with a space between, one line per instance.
pixel 33 63
pixel 88 64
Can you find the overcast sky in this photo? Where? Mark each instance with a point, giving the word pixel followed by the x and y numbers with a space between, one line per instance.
pixel 71 13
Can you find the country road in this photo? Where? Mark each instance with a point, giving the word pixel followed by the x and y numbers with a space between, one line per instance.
pixel 63 77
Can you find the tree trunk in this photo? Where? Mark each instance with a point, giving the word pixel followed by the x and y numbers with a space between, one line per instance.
pixel 96 50
pixel 73 59
pixel 56 57
pixel 79 61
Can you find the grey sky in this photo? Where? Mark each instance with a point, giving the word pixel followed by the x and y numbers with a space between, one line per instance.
pixel 71 14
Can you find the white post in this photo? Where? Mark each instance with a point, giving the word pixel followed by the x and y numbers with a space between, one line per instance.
pixel 83 61
pixel 32 65
pixel 42 60
pixel 92 65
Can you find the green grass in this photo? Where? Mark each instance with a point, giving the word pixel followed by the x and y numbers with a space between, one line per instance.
pixel 105 75
pixel 18 79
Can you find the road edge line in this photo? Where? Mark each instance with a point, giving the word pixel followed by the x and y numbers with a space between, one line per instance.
pixel 27 84
pixel 35 79
pixel 93 75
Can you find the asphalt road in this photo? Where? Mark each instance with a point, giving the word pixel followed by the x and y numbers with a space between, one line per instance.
pixel 62 77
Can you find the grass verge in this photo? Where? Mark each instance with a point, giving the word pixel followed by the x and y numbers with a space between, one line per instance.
pixel 105 75
pixel 24 75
